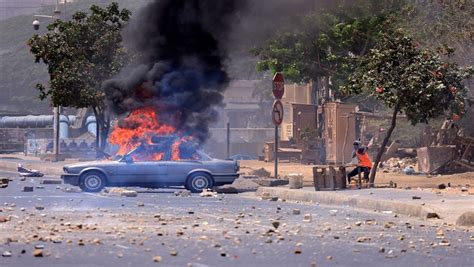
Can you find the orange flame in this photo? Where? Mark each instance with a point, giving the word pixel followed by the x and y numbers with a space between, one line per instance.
pixel 139 128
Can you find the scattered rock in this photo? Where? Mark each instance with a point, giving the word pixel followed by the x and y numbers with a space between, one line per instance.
pixel 38 253
pixel 307 218
pixel 4 219
pixel 208 193
pixel 464 189
pixel 157 258
pixel 358 223
pixel 329 258
pixel 363 239
pixel 432 215
pixel 51 181
pixel 28 189
pixel 466 219
pixel 444 243
pixel 261 172
pixel 274 199
pixel 267 182
pixel 174 253
pixel 6 254
pixel 266 196
pixel 415 197
pixel 440 233
pixel 38 207
pixel 382 250
pixel 298 251
pixel 276 224
pixel 441 186
pixel 296 212
pixel 182 193
pixel 141 204
pixel 333 212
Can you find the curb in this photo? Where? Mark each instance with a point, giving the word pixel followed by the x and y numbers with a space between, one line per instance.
pixel 332 198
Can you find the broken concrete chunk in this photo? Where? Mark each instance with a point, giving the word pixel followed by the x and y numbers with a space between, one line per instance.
pixel 38 253
pixel 307 217
pixel 363 239
pixel 6 254
pixel 51 181
pixel 466 219
pixel 28 189
pixel 208 193
pixel 432 215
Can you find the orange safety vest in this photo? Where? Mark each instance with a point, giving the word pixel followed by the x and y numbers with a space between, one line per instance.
pixel 364 160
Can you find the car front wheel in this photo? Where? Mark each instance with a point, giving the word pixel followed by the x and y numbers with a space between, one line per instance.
pixel 92 182
pixel 197 182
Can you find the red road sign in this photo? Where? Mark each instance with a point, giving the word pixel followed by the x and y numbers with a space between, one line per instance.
pixel 277 113
pixel 278 85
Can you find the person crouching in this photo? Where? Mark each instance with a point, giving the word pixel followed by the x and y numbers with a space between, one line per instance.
pixel 364 165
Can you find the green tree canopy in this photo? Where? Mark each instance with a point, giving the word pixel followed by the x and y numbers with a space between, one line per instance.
pixel 80 55
pixel 411 80
pixel 326 44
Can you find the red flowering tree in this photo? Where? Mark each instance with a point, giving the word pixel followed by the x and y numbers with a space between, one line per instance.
pixel 409 80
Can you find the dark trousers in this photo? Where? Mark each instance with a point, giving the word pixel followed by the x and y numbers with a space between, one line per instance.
pixel 358 170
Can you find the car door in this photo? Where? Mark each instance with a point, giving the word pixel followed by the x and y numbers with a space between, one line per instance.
pixel 141 172
pixel 178 170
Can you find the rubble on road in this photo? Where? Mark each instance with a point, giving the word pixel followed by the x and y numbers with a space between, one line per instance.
pixel 25 172
pixel 208 193
pixel 182 193
pixel 51 181
pixel 122 192
pixel 398 165
pixel 262 172
pixel 4 182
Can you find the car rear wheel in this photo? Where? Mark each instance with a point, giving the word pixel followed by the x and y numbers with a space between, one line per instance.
pixel 92 181
pixel 197 182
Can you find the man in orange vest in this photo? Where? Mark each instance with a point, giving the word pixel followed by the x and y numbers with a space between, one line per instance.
pixel 364 163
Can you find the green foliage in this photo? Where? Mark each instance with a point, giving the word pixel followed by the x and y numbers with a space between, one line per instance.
pixel 81 54
pixel 325 44
pixel 410 79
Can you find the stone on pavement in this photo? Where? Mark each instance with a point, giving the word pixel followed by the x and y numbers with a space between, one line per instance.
pixel 51 181
pixel 466 219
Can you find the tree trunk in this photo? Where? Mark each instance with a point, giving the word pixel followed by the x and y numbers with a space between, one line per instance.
pixel 384 144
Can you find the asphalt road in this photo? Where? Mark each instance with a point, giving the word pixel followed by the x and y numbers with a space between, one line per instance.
pixel 83 229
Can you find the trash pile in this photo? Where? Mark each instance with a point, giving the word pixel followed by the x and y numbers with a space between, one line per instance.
pixel 24 172
pixel 260 172
pixel 403 165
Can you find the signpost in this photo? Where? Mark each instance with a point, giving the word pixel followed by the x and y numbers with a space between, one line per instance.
pixel 277 110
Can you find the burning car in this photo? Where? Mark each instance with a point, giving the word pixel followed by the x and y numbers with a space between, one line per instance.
pixel 141 167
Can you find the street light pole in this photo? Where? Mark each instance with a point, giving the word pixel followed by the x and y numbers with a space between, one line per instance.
pixel 56 109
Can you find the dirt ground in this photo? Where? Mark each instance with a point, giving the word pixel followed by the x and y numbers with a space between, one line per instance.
pixel 402 180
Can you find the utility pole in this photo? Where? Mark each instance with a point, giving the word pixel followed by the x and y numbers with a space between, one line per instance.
pixel 228 140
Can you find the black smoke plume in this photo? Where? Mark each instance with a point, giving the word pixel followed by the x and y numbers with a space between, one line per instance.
pixel 179 69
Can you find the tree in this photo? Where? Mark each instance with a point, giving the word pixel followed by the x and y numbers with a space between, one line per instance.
pixel 410 80
pixel 80 55
pixel 325 45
